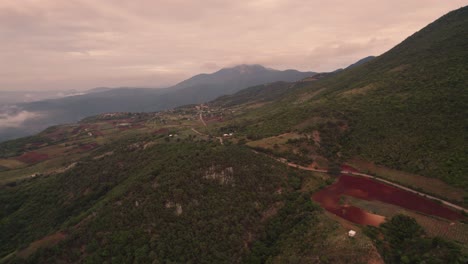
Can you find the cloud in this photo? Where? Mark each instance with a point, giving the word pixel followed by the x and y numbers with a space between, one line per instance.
pixel 16 119
pixel 80 44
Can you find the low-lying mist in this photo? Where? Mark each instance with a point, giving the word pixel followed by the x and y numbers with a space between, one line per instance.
pixel 16 122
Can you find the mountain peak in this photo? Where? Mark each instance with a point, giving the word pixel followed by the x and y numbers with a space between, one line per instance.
pixel 246 69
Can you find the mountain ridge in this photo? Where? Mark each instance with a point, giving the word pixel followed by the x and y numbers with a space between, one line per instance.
pixel 198 89
pixel 247 178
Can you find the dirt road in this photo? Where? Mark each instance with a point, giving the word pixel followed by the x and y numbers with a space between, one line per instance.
pixel 449 204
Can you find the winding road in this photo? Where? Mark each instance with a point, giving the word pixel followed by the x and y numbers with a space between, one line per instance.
pixel 449 204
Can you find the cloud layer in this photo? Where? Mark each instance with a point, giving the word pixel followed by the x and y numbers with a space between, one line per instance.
pixel 12 117
pixel 79 44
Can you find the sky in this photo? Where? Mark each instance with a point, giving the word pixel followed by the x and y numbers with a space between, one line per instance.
pixel 82 44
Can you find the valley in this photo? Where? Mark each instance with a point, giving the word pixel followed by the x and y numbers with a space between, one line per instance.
pixel 349 194
pixel 365 164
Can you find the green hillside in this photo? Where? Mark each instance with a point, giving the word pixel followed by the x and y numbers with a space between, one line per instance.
pixel 233 180
pixel 405 109
pixel 186 202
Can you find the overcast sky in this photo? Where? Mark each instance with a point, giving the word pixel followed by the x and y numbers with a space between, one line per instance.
pixel 81 44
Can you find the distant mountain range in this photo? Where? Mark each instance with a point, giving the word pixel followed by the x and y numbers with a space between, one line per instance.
pixel 198 89
pixel 239 180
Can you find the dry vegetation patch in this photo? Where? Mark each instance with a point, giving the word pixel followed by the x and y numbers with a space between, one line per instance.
pixel 360 90
pixel 275 142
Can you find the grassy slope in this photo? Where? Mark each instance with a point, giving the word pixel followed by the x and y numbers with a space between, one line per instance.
pixel 405 109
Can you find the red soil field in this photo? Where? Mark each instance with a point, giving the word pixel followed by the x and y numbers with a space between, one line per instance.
pixel 161 131
pixel 89 146
pixel 329 198
pixel 32 157
pixel 369 189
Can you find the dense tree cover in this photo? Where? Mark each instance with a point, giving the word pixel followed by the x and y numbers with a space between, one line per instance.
pixel 175 202
pixel 402 240
pixel 180 202
pixel 293 217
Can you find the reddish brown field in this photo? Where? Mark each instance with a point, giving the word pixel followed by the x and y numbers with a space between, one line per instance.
pixel 161 131
pixel 368 189
pixel 329 198
pixel 89 146
pixel 32 157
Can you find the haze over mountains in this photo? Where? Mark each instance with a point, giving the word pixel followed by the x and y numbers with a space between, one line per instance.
pixel 278 172
pixel 23 119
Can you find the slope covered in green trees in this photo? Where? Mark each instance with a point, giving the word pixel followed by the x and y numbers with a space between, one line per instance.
pixel 165 187
pixel 175 202
pixel 405 109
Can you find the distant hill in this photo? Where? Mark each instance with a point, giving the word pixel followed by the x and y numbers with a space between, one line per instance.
pixel 198 89
pixel 237 78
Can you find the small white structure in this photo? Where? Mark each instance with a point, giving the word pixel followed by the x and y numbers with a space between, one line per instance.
pixel 351 233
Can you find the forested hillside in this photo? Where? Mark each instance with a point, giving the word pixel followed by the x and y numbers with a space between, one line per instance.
pixel 261 176
pixel 405 109
pixel 182 202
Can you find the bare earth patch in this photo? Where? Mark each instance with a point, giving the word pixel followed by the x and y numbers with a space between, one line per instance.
pixel 11 163
pixel 270 142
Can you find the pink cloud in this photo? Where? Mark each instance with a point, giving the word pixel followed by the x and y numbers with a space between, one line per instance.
pixel 81 44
